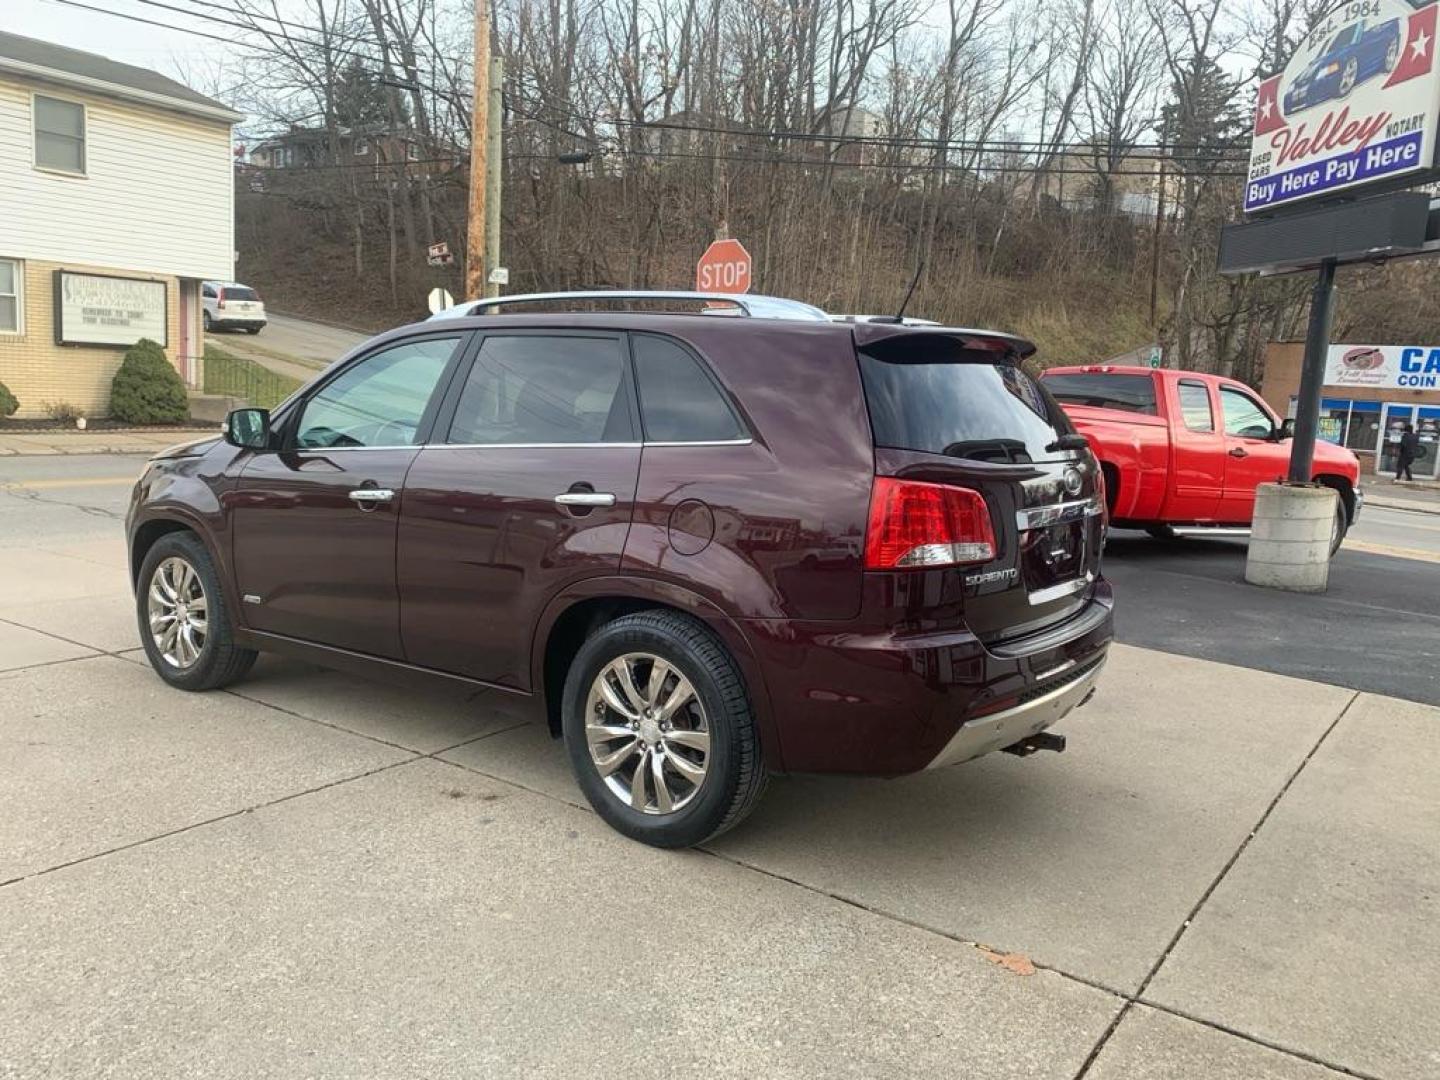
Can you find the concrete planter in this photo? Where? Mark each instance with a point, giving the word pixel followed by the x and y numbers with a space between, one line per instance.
pixel 1290 537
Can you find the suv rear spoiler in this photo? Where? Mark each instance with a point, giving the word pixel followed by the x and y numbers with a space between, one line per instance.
pixel 1008 346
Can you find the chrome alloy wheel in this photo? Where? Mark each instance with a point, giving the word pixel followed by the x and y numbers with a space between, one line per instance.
pixel 178 613
pixel 647 732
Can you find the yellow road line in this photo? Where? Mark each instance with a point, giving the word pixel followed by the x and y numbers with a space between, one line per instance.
pixel 1390 549
pixel 69 482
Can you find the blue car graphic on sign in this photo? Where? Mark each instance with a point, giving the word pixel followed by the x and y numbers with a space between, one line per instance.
pixel 1355 55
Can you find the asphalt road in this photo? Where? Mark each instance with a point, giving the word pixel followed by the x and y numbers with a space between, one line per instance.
pixel 298 337
pixel 57 499
pixel 1377 628
pixel 294 347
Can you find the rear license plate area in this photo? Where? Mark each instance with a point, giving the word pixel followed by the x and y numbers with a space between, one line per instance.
pixel 1052 556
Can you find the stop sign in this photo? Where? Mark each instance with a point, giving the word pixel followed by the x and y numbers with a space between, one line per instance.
pixel 725 267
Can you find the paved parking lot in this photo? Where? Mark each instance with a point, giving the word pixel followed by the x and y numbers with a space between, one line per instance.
pixel 1230 873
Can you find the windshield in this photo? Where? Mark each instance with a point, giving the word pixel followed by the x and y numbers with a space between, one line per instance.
pixel 1340 40
pixel 940 398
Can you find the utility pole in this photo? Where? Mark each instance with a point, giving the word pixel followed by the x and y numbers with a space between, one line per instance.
pixel 1155 246
pixel 494 170
pixel 479 138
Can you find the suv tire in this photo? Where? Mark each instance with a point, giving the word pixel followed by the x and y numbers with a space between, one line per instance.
pixel 177 583
pixel 712 710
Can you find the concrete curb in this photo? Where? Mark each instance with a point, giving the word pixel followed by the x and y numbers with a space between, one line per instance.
pixel 1391 502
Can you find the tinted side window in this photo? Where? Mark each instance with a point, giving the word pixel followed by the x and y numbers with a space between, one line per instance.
pixel 1243 416
pixel 536 389
pixel 1195 406
pixel 1132 393
pixel 378 401
pixel 678 401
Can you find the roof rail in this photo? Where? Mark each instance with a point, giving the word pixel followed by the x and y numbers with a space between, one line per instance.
pixel 754 307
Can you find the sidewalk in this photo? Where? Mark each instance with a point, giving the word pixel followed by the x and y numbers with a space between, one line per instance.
pixel 41 443
pixel 1419 495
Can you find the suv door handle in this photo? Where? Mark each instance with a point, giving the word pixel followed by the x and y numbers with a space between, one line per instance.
pixel 1239 451
pixel 585 498
pixel 371 496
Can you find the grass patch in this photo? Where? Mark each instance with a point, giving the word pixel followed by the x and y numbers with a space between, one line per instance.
pixel 235 376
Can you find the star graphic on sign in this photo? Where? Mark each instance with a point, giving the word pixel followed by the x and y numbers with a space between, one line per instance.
pixel 1265 108
pixel 1420 46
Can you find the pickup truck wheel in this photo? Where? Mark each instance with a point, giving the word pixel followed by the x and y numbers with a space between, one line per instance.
pixel 1161 532
pixel 1340 527
pixel 660 732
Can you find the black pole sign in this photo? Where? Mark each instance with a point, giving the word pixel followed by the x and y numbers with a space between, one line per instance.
pixel 1312 374
pixel 1354 113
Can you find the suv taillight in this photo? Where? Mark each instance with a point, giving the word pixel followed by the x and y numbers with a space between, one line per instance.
pixel 220 302
pixel 918 525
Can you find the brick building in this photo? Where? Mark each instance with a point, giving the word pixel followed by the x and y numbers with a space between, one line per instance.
pixel 116 201
pixel 1371 392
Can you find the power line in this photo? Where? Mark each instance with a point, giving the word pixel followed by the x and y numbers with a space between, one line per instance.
pixel 267 49
pixel 762 158
pixel 575 113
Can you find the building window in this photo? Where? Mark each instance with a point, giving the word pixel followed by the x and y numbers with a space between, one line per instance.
pixel 412 152
pixel 11 307
pixel 59 135
pixel 362 147
pixel 1354 425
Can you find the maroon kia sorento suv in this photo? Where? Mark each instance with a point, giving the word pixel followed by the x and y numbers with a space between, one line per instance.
pixel 702 549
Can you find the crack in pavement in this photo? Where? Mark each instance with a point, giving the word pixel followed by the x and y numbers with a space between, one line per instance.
pixel 1132 999
pixel 20 491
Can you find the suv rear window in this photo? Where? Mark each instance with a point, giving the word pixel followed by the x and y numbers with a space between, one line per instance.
pixel 239 292
pixel 1129 393
pixel 941 398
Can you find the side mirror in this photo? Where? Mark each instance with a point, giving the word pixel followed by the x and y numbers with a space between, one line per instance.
pixel 1286 430
pixel 248 428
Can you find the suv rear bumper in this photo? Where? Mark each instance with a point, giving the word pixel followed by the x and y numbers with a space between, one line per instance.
pixel 995 731
pixel 885 703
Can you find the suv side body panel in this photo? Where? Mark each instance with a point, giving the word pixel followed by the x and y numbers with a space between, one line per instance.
pixel 774 526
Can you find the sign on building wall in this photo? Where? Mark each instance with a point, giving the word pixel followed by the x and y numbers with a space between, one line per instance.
pixel 93 309
pixel 1357 104
pixel 1382 367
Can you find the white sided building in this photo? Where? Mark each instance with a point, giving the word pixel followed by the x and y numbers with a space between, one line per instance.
pixel 116 201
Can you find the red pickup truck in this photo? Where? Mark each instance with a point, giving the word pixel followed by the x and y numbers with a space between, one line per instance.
pixel 1182 453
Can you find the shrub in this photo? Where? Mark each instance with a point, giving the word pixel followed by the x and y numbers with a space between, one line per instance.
pixel 62 411
pixel 8 401
pixel 146 389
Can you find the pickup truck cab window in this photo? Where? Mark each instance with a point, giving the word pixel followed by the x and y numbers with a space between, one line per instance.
pixel 1244 416
pixel 1195 405
pixel 1102 390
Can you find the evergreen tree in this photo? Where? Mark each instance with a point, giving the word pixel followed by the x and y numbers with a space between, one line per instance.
pixel 360 100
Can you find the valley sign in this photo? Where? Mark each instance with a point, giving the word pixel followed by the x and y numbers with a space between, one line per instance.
pixel 1356 105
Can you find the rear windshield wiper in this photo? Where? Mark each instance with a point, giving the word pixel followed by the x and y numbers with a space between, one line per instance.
pixel 1073 441
pixel 1010 450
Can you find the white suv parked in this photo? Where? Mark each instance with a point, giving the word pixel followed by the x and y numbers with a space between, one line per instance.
pixel 232 306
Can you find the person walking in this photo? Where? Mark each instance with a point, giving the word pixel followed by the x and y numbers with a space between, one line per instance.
pixel 1406 453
